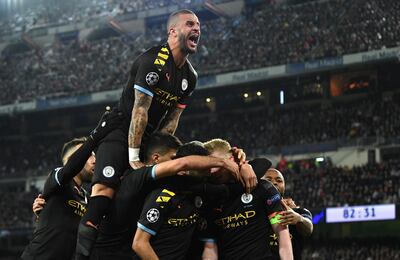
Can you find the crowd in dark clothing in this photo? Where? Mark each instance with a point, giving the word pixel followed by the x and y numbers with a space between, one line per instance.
pixel 264 36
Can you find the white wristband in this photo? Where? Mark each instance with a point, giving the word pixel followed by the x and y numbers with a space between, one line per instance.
pixel 134 154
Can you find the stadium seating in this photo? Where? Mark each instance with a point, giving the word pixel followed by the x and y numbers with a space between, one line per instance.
pixel 265 34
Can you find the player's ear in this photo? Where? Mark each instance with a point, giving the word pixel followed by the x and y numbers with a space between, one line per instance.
pixel 155 158
pixel 172 31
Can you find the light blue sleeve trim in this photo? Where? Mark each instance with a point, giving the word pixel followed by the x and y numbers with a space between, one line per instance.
pixel 145 91
pixel 153 172
pixel 56 176
pixel 209 240
pixel 148 230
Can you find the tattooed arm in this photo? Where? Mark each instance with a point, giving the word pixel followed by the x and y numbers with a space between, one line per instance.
pixel 172 120
pixel 137 126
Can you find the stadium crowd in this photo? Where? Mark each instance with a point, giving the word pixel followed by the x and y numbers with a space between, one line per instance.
pixel 20 159
pixel 42 13
pixel 264 32
pixel 295 125
pixel 16 209
pixel 299 124
pixel 318 187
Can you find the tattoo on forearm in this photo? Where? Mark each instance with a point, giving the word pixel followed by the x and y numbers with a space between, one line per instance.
pixel 139 119
pixel 172 121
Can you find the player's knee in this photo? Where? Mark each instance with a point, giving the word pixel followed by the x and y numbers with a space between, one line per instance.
pixel 102 190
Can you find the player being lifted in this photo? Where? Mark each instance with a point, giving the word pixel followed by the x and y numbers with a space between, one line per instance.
pixel 160 82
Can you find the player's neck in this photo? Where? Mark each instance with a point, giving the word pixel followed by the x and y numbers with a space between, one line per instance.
pixel 78 181
pixel 178 55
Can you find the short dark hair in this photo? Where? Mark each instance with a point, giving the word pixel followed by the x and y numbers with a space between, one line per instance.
pixel 192 148
pixel 161 143
pixel 71 144
pixel 172 17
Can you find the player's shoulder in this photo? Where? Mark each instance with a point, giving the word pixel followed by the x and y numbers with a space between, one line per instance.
pixel 304 212
pixel 54 172
pixel 163 197
pixel 267 190
pixel 158 54
pixel 265 185
pixel 139 173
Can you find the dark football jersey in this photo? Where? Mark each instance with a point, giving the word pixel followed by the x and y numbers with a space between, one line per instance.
pixel 171 219
pixel 56 231
pixel 240 225
pixel 118 227
pixel 296 237
pixel 155 73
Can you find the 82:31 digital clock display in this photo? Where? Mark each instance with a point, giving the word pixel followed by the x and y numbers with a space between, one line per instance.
pixel 361 213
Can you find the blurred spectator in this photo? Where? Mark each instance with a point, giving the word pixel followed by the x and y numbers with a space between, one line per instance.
pixel 16 208
pixel 263 36
pixel 319 187
pixel 300 124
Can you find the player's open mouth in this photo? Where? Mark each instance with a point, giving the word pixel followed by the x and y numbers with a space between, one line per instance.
pixel 193 39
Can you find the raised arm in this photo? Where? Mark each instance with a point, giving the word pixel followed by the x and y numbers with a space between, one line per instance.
pixel 75 163
pixel 195 162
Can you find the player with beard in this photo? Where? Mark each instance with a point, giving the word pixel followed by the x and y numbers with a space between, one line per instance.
pixel 240 225
pixel 55 234
pixel 297 218
pixel 160 83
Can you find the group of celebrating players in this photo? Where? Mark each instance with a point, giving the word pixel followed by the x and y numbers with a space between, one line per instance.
pixel 153 197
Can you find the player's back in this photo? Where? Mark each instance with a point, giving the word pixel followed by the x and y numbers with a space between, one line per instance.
pixel 56 230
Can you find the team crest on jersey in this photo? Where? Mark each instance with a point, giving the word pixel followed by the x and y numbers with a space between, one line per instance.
pixel 185 84
pixel 246 198
pixel 153 215
pixel 198 202
pixel 108 171
pixel 152 78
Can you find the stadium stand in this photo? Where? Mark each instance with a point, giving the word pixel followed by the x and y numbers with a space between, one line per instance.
pixel 42 13
pixel 263 35
pixel 78 68
pixel 319 187
pixel 299 124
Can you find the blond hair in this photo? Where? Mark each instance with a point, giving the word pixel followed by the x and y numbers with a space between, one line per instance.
pixel 219 145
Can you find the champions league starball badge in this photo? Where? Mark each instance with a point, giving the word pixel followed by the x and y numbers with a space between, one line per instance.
pixel 152 78
pixel 152 215
pixel 246 198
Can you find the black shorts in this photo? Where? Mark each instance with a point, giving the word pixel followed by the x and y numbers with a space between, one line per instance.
pixel 111 159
